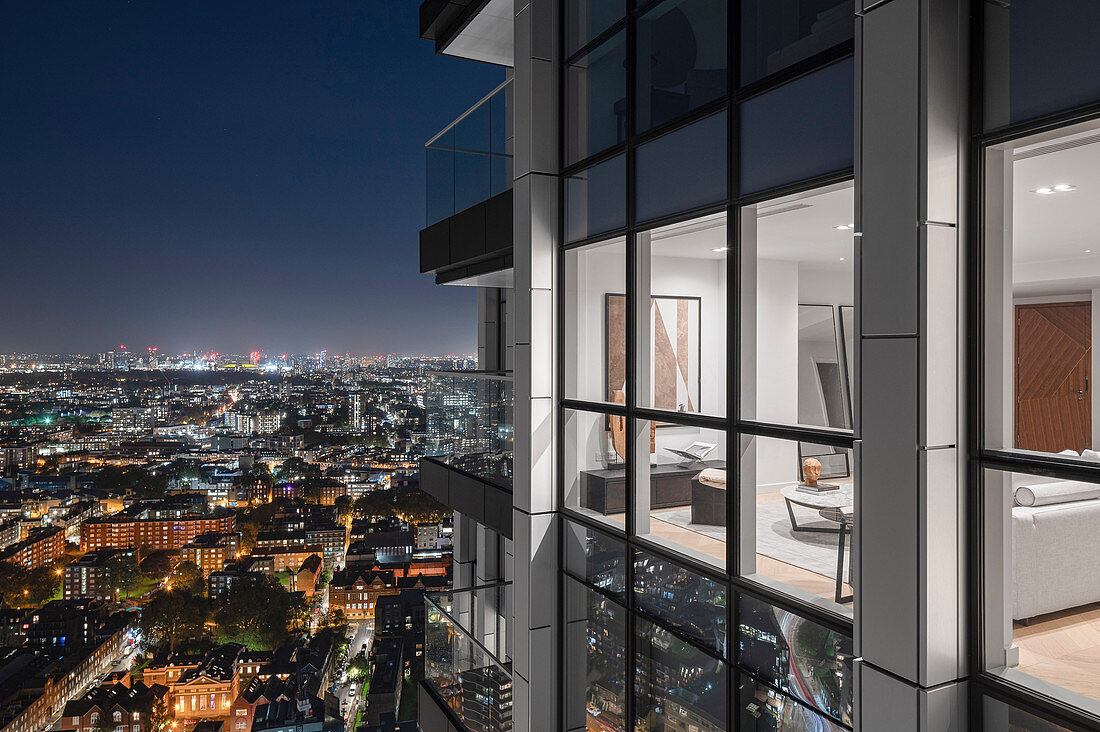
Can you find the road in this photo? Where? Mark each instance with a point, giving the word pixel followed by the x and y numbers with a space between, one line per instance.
pixel 363 635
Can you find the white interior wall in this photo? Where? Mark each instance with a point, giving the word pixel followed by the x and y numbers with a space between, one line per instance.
pixel 776 368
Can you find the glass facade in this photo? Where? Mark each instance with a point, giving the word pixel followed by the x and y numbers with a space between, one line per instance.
pixel 777 34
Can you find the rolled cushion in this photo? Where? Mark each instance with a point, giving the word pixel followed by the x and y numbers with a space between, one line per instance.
pixel 1062 491
pixel 714 477
pixel 1090 454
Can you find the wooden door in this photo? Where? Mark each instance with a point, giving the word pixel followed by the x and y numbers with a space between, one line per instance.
pixel 1053 364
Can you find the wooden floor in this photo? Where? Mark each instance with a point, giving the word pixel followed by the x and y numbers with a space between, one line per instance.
pixel 1063 649
pixel 788 574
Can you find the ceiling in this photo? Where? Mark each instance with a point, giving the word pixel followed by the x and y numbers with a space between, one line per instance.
pixel 1051 233
pixel 797 229
pixel 488 35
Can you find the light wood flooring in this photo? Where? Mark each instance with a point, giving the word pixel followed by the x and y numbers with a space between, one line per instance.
pixel 1063 649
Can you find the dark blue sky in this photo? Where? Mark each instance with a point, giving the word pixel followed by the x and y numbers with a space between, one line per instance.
pixel 222 175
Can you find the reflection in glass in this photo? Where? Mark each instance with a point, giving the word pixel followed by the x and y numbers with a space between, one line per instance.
pixel 595 638
pixel 800 130
pixel 763 709
pixel 598 558
pixel 595 99
pixel 676 686
pixel 595 199
pixel 682 170
pixel 681 59
pixel 682 599
pixel 796 655
pixel 1000 717
pixel 586 19
pixel 595 322
pixel 848 327
pixel 776 34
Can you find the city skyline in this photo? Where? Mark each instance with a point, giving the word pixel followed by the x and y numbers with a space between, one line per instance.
pixel 224 178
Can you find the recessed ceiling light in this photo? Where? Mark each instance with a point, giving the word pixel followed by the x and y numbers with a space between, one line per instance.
pixel 1088 251
pixel 721 249
pixel 842 259
pixel 1060 188
pixel 1063 187
pixel 844 227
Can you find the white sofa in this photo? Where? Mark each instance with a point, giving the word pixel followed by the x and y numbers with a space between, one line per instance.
pixel 1055 546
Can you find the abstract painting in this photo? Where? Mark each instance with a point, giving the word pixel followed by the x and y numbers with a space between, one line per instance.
pixel 674 366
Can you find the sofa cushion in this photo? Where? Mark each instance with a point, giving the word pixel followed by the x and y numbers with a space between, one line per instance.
pixel 1062 491
pixel 714 477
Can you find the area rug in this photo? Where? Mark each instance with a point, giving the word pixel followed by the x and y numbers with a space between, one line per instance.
pixel 813 551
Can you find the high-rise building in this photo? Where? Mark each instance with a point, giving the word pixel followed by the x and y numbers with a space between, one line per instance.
pixel 800 299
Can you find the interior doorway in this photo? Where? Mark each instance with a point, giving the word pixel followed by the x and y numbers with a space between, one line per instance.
pixel 1053 410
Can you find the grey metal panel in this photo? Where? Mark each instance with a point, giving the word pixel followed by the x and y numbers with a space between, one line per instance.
pixel 498 223
pixel 887 519
pixel 940 120
pixel 434 481
pixel 468 233
pixel 435 246
pixel 941 567
pixel 944 709
pixel 939 349
pixel 467 495
pixel 885 703
pixel 498 510
pixel 430 716
pixel 887 176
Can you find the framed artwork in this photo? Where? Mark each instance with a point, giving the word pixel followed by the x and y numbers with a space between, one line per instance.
pixel 676 338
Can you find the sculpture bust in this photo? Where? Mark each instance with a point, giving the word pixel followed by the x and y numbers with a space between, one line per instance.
pixel 811 471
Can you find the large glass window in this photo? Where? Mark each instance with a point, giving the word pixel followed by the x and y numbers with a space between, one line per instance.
pixel 682 170
pixel 776 34
pixel 1041 585
pixel 594 328
pixel 595 465
pixel 682 344
pixel 797 281
pixel 797 517
pixel 595 100
pixel 799 131
pixel 595 648
pixel 680 59
pixel 802 658
pixel 595 199
pixel 681 477
pixel 1040 57
pixel 682 599
pixel 676 686
pixel 598 559
pixel 586 19
pixel 763 709
pixel 1000 717
pixel 1042 280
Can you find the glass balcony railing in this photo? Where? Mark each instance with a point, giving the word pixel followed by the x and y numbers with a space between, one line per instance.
pixel 470 160
pixel 465 663
pixel 470 423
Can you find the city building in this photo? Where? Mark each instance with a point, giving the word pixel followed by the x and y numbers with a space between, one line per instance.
pixel 800 300
pixel 41 548
pixel 210 551
pixel 87 577
pixel 127 705
pixel 122 531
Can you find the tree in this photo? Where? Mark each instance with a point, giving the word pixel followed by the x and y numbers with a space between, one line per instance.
pixel 257 612
pixel 187 578
pixel 156 564
pixel 24 587
pixel 358 666
pixel 104 722
pixel 343 508
pixel 157 717
pixel 170 616
pixel 122 573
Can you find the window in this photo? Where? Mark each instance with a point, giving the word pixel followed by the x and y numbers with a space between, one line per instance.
pixel 594 284
pixel 586 19
pixel 674 680
pixel 681 599
pixel 680 61
pixel 683 170
pixel 595 636
pixel 776 34
pixel 762 707
pixel 774 645
pixel 595 464
pixel 799 131
pixel 1039 58
pixel 596 558
pixel 595 88
pixel 797 280
pixel 595 199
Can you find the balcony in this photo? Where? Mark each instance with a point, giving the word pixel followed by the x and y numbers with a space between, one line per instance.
pixel 467 670
pixel 468 463
pixel 475 29
pixel 467 238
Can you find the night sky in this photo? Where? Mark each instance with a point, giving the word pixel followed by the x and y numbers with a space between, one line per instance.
pixel 223 176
